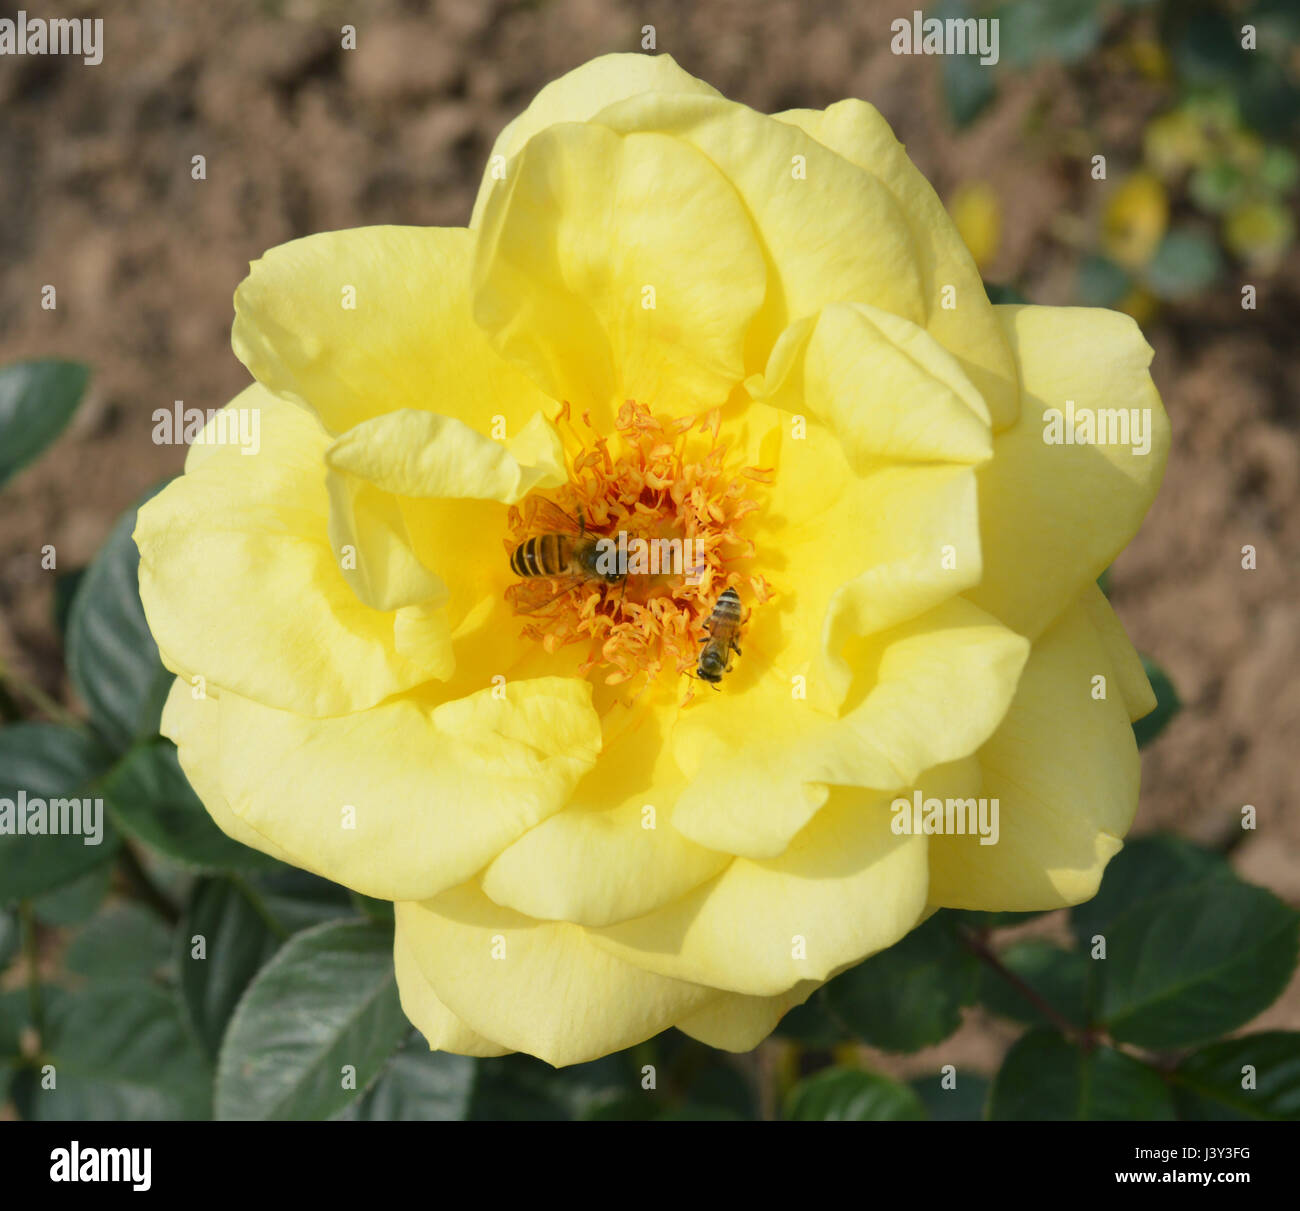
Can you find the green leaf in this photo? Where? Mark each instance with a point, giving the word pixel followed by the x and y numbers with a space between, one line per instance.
pixel 120 1051
pixel 1059 976
pixel 328 1000
pixel 509 1091
pixel 848 1095
pixel 11 937
pixel 968 84
pixel 1208 50
pixel 963 1103
pixel 37 399
pixel 519 1088
pixel 112 658
pixel 236 943
pixel 909 996
pixel 13 1013
pixel 1101 282
pixel 379 911
pixel 1196 963
pixel 1217 186
pixel 968 87
pixel 151 799
pixel 1280 170
pixel 1045 1078
pixel 1270 100
pixel 692 1112
pixel 47 761
pixel 713 1080
pixel 15 1018
pixel 420 1086
pixel 1210 1084
pixel 76 902
pixel 624 1108
pixel 811 1025
pixel 66 585
pixel 1103 581
pixel 982 922
pixel 999 294
pixel 1185 262
pixel 300 900
pixel 1145 868
pixel 125 942
pixel 1031 31
pixel 1167 705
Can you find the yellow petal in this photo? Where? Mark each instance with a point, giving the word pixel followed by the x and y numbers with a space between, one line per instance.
pixel 1052 517
pixel 739 1023
pixel 403 800
pixel 194 724
pixel 612 853
pixel 844 888
pixel 240 584
pixel 1064 768
pixel 442 1029
pixel 1130 676
pixel 409 341
pixel 968 330
pixel 410 473
pixel 925 693
pixel 377 557
pixel 885 387
pixel 423 454
pixel 534 986
pixel 831 232
pixel 852 554
pixel 578 96
pixel 616 268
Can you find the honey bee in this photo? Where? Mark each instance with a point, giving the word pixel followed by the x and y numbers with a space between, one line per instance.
pixel 566 552
pixel 723 627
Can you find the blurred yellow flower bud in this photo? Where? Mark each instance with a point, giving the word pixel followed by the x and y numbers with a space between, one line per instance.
pixel 1135 220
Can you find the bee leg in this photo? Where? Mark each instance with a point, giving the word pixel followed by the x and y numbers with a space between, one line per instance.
pixel 736 648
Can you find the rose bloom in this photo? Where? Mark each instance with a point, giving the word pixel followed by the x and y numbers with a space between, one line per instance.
pixel 670 317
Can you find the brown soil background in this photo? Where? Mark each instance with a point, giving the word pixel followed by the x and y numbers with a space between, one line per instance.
pixel 300 136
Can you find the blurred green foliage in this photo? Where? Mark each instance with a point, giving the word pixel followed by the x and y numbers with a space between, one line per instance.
pixel 1213 183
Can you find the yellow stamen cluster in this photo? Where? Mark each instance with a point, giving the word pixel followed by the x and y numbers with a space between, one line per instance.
pixel 654 480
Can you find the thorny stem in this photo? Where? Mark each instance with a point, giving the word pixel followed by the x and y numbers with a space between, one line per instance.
pixel 982 951
pixel 33 694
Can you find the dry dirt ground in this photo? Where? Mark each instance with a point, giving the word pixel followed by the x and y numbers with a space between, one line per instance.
pixel 96 197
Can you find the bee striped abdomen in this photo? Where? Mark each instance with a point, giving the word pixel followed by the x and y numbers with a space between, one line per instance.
pixel 541 555
pixel 727 607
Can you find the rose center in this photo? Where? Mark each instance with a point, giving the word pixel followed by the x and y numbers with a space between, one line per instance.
pixel 631 555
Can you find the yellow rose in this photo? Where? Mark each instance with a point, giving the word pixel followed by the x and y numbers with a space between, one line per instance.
pixel 585 846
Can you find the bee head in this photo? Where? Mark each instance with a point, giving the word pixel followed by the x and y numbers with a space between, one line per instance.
pixel 712 665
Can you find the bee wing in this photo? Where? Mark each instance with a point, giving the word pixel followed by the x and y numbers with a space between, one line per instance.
pixel 529 596
pixel 546 516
